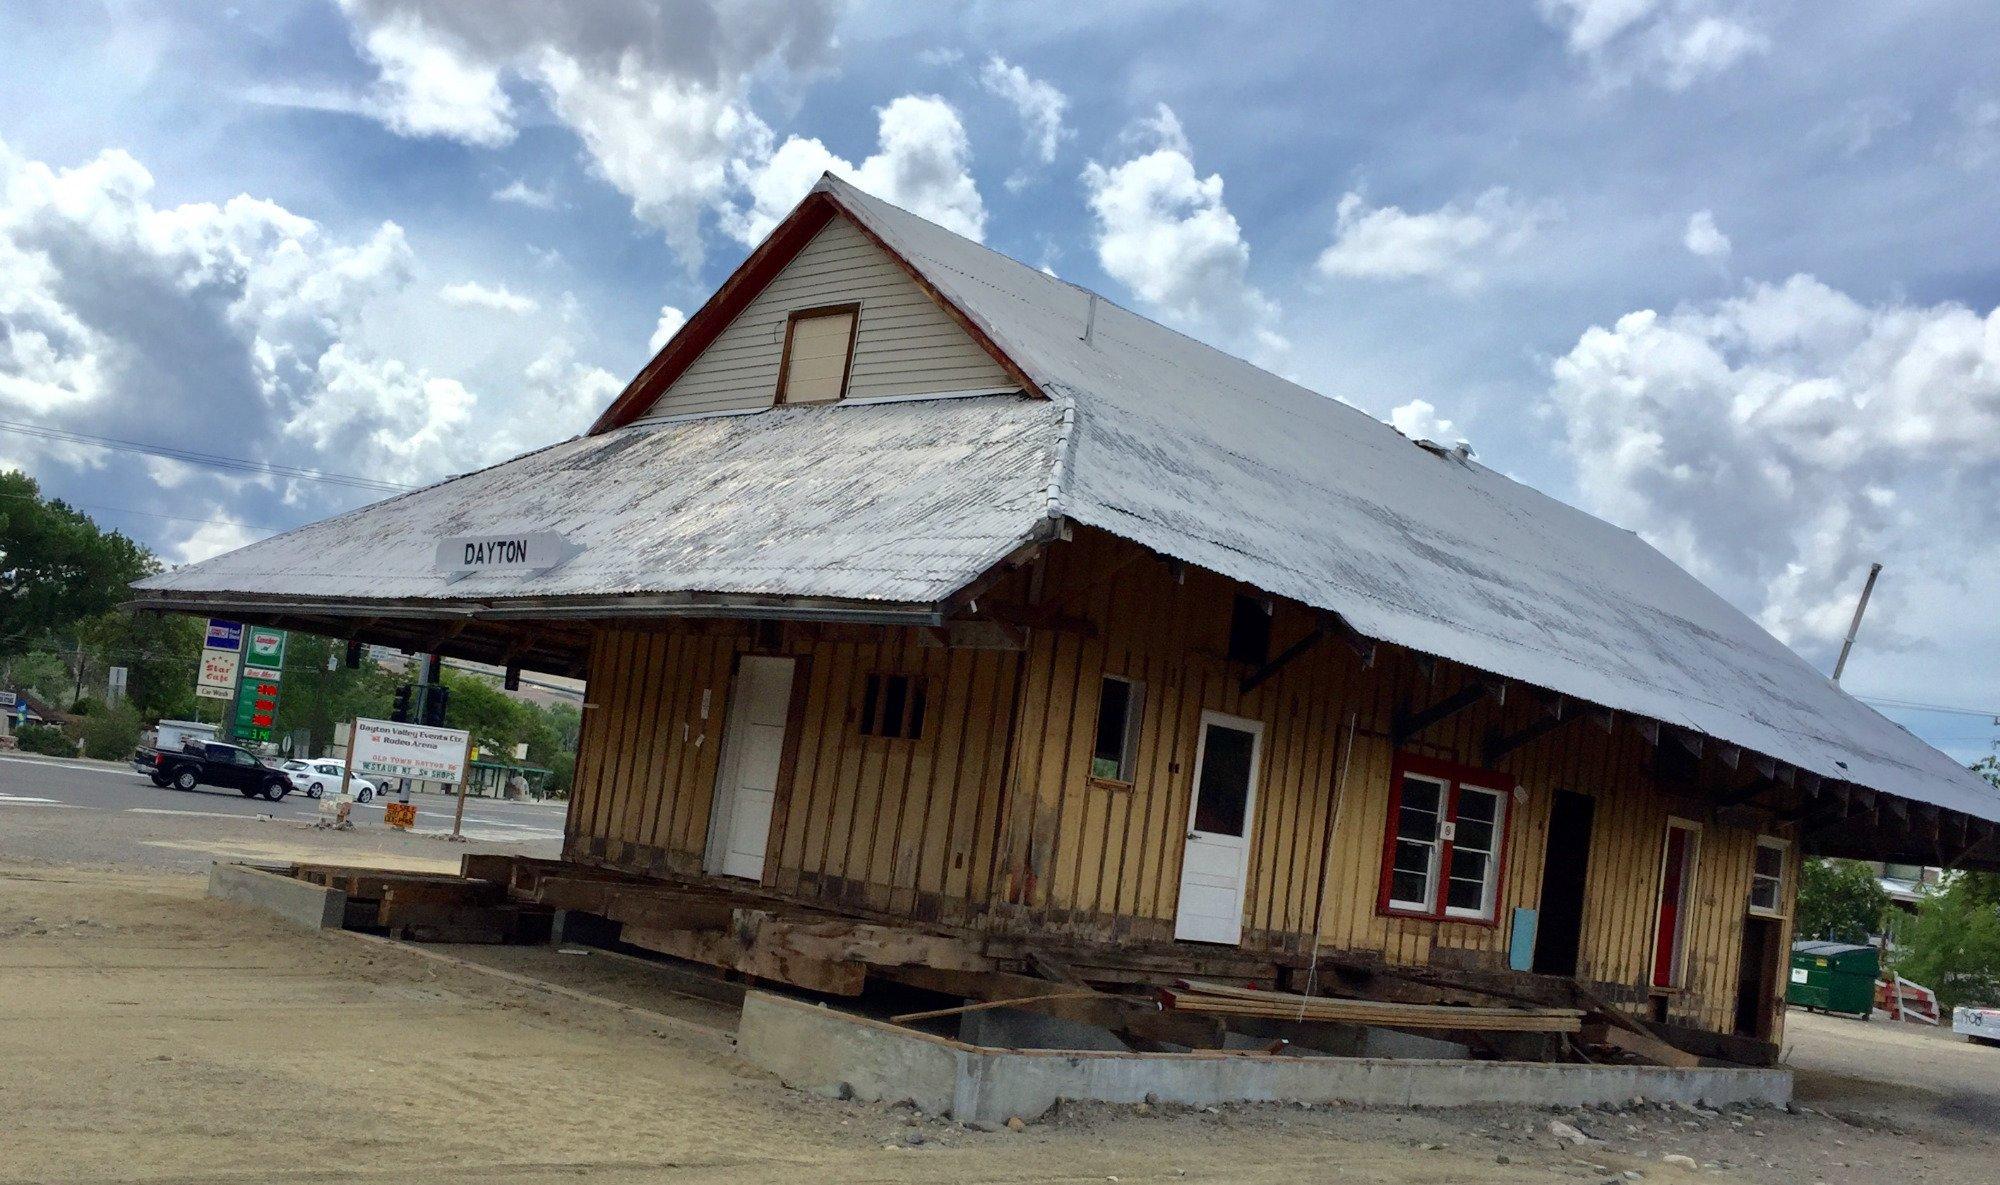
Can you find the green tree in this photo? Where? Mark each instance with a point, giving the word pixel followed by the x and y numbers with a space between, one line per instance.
pixel 314 698
pixel 1954 947
pixel 57 568
pixel 496 721
pixel 160 653
pixel 1841 900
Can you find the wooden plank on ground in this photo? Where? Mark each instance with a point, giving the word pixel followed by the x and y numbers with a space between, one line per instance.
pixel 728 950
pixel 1639 1045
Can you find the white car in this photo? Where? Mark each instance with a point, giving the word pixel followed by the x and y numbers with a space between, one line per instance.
pixel 321 775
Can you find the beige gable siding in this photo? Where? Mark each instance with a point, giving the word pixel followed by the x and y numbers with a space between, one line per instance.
pixel 904 344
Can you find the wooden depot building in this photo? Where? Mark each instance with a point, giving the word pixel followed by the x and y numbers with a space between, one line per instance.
pixel 965 624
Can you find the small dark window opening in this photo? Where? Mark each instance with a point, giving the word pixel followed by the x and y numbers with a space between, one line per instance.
pixel 892 706
pixel 1120 707
pixel 1250 631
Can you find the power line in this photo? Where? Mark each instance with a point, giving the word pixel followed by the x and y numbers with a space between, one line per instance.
pixel 1915 706
pixel 179 518
pixel 212 460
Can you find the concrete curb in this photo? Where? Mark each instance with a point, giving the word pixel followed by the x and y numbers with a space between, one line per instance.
pixel 315 907
pixel 827 1052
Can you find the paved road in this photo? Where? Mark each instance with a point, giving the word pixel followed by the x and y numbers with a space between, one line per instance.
pixel 60 811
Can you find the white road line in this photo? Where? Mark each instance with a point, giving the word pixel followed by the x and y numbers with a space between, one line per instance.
pixel 167 810
pixel 30 800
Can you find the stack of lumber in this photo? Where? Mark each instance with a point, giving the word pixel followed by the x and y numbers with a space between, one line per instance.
pixel 1223 999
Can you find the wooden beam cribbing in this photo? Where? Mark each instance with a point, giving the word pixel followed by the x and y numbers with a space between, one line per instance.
pixel 1258 677
pixel 1407 725
pixel 1553 716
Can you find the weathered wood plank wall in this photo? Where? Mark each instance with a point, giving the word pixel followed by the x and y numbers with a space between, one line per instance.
pixel 992 815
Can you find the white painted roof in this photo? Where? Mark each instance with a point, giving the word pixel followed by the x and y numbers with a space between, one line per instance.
pixel 1202 456
pixel 1156 438
pixel 896 502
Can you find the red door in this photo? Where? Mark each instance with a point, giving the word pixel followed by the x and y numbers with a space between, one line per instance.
pixel 1673 892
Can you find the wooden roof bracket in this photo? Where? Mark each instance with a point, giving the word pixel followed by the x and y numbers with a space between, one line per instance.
pixel 1285 657
pixel 1554 714
pixel 1406 726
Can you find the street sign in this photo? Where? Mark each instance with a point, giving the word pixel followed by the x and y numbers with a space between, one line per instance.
pixel 519 551
pixel 7 699
pixel 385 749
pixel 224 635
pixel 217 676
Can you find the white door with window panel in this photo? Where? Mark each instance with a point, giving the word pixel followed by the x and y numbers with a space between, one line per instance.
pixel 753 750
pixel 1216 862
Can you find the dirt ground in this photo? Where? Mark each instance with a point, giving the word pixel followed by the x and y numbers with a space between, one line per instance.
pixel 148 1033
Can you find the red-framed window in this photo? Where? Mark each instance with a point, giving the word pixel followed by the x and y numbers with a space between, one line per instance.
pixel 1444 848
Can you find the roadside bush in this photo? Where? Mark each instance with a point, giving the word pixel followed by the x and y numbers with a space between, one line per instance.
pixel 111 734
pixel 40 738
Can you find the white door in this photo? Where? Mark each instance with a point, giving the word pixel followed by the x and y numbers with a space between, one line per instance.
pixel 1217 860
pixel 753 749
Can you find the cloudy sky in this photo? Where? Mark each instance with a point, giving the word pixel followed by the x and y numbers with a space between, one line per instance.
pixel 1722 272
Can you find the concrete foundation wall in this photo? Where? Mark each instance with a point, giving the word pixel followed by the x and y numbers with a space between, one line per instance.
pixel 818 1049
pixel 313 906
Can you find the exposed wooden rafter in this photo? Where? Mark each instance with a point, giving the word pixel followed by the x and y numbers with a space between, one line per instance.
pixel 1554 714
pixel 1408 725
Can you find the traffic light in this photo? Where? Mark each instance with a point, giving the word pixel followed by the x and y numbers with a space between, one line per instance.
pixel 401 712
pixel 354 656
pixel 436 698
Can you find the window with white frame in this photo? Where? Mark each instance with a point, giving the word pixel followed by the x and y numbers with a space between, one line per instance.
pixel 1121 704
pixel 1444 845
pixel 1767 877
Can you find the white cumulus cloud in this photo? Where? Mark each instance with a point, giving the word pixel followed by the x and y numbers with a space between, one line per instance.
pixel 1164 231
pixel 1454 243
pixel 471 294
pixel 1704 238
pixel 1039 104
pixel 236 327
pixel 1674 43
pixel 1776 441
pixel 520 193
pixel 671 320
pixel 1419 420
pixel 923 163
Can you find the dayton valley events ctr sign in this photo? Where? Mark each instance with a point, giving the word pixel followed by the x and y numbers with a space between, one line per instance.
pixel 386 749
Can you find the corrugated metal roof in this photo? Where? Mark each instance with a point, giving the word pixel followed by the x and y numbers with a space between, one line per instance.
pixel 898 502
pixel 1158 439
pixel 1205 457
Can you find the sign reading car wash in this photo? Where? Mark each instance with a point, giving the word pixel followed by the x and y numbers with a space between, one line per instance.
pixel 385 749
pixel 257 690
pixel 459 556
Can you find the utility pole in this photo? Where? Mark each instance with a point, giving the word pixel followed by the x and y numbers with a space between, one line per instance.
pixel 1854 627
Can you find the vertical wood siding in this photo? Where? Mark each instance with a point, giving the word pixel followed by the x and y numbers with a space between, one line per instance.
pixel 992 816
pixel 904 344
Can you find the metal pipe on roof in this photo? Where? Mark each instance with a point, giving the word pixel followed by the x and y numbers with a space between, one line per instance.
pixel 1854 627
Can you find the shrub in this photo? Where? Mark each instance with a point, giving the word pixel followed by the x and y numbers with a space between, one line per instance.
pixel 111 734
pixel 40 738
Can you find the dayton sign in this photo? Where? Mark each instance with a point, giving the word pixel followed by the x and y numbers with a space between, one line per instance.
pixel 517 551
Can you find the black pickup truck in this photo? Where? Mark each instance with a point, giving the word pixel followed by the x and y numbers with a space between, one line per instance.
pixel 212 764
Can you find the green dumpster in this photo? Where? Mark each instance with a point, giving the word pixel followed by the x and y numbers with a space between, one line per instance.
pixel 1834 977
